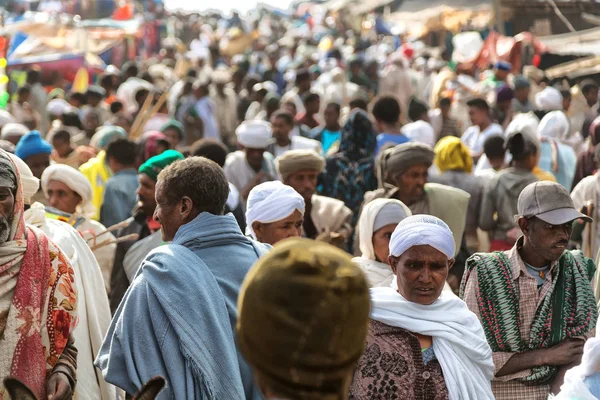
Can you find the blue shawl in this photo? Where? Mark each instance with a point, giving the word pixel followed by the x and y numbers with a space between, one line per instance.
pixel 177 319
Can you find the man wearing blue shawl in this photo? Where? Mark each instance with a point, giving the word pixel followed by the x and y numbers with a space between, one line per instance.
pixel 177 320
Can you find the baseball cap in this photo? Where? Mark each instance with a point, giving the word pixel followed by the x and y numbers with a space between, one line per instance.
pixel 549 202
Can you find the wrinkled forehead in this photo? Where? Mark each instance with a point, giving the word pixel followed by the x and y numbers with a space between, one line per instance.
pixel 8 175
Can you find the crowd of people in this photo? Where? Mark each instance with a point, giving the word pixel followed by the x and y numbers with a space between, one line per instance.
pixel 288 225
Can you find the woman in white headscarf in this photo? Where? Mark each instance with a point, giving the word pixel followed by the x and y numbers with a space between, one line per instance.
pixel 274 212
pixel 377 222
pixel 92 304
pixel 423 341
pixel 556 157
pixel 69 191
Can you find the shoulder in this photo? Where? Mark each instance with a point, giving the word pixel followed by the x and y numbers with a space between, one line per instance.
pixel 234 157
pixel 445 190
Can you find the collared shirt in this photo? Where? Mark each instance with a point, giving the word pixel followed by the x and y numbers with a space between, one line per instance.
pixel 507 387
pixel 120 197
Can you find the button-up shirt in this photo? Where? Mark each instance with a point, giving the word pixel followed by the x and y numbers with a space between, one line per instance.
pixel 507 387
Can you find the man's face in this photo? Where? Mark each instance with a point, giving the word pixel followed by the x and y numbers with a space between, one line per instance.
pixel 504 105
pixel 255 158
pixel 314 106
pixel 61 197
pixel 281 129
pixel 548 241
pixel 24 97
pixel 412 182
pixel 91 122
pixel 280 230
pixel 304 182
pixel 522 94
pixel 331 115
pixel 62 147
pixel 145 193
pixel 166 214
pixel 7 204
pixel 591 96
pixel 477 115
pixel 421 273
pixel 94 100
pixel 566 103
pixel 38 164
pixel 501 75
pixel 172 137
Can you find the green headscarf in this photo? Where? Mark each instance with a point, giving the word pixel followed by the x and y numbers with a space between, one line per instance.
pixel 154 165
pixel 174 124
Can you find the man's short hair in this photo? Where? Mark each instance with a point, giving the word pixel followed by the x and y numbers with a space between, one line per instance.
pixel 285 115
pixel 479 103
pixel 358 102
pixel 445 102
pixel 123 151
pixel 24 89
pixel 198 178
pixel 493 147
pixel 211 149
pixel 116 106
pixel 566 93
pixel 310 97
pixel 416 109
pixel 335 106
pixel 61 135
pixel 387 109
pixel 302 75
pixel 588 85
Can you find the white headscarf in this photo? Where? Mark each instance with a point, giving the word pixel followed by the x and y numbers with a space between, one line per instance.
pixel 13 129
pixel 554 126
pixel 420 131
pixel 271 202
pixel 422 230
pixel 549 99
pixel 29 183
pixel 75 180
pixel 254 134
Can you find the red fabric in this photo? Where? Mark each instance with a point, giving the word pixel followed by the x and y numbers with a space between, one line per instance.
pixel 500 245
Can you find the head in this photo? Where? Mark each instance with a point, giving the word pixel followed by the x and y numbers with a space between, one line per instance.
pixel 130 70
pixel 358 103
pixel 91 122
pixel 504 98
pixel 479 112
pixel 406 167
pixel 8 196
pixel 148 174
pixel 546 214
pixel 451 154
pixel 116 107
pixel 282 124
pixel 418 111
pixel 35 151
pixel 288 358
pixel 421 255
pixel 274 212
pixel 524 149
pixel 567 98
pixel 121 154
pixel 272 103
pixel 140 96
pixel 303 80
pixel 312 103
pixel 107 81
pixel 386 111
pixel 332 115
pixel 300 169
pixel 23 94
pixel 72 119
pixel 67 189
pixel 290 107
pixel 76 99
pixel 522 89
pixel 502 70
pixel 61 141
pixel 494 149
pixel 94 96
pixel 356 66
pixel 13 132
pixel 445 107
pixel 174 133
pixel 211 149
pixel 34 76
pixel 589 89
pixel 187 188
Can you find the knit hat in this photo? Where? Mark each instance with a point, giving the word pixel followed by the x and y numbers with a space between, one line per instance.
pixel 299 160
pixel 106 135
pixel 154 165
pixel 303 318
pixel 174 124
pixel 32 144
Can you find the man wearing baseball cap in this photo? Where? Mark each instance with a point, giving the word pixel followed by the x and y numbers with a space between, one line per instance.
pixel 535 301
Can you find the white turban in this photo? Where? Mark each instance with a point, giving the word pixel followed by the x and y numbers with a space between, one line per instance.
pixel 549 99
pixel 254 134
pixel 554 125
pixel 29 183
pixel 421 132
pixel 6 118
pixel 75 180
pixel 58 107
pixel 421 230
pixel 13 129
pixel 271 202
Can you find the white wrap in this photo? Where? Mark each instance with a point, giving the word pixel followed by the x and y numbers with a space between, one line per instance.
pixel 29 183
pixel 459 342
pixel 549 99
pixel 254 134
pixel 422 230
pixel 271 202
pixel 13 129
pixel 555 126
pixel 75 180
pixel 420 131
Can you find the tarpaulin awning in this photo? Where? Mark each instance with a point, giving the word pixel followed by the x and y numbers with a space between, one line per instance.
pixel 585 42
pixel 575 69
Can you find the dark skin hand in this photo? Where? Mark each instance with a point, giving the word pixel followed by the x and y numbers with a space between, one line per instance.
pixel 59 387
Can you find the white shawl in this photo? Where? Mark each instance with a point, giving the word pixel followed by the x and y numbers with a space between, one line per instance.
pixel 92 303
pixel 458 339
pixel 378 274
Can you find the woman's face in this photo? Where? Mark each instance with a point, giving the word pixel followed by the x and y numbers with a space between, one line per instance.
pixel 381 242
pixel 280 230
pixel 421 272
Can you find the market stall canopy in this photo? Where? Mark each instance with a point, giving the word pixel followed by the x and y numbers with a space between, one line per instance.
pixel 582 43
pixel 415 6
pixel 575 69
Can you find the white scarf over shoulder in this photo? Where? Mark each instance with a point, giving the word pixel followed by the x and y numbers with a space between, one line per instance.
pixel 458 339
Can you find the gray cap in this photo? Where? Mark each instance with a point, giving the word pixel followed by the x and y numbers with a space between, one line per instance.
pixel 549 202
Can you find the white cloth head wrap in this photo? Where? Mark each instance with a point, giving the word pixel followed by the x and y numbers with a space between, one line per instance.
pixel 13 129
pixel 254 134
pixel 58 107
pixel 367 224
pixel 420 131
pixel 554 125
pixel 75 180
pixel 29 183
pixel 422 230
pixel 549 99
pixel 271 202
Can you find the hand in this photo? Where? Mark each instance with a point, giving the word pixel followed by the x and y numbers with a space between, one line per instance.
pixel 566 352
pixel 59 387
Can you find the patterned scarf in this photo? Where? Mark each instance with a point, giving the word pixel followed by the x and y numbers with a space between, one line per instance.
pixel 42 313
pixel 568 309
